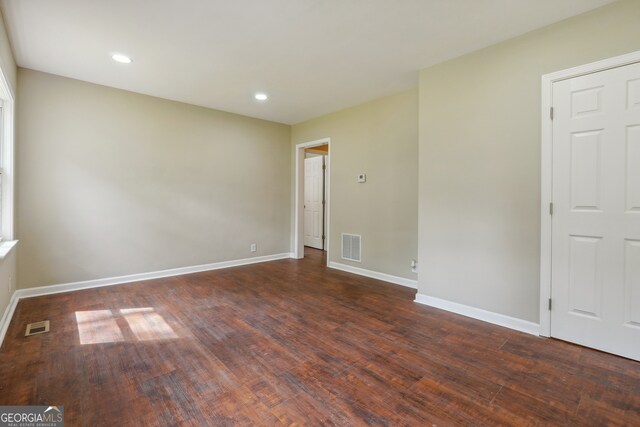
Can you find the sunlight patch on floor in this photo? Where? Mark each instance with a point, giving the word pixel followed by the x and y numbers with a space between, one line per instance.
pixel 147 325
pixel 101 326
pixel 98 326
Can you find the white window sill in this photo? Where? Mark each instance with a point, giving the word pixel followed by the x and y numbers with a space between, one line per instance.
pixel 6 247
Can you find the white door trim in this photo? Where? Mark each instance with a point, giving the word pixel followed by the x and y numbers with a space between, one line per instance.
pixel 298 215
pixel 546 195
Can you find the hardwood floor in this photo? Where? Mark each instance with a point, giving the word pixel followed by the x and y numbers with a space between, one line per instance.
pixel 294 343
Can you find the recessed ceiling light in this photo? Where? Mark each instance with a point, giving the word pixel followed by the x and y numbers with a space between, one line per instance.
pixel 123 59
pixel 261 96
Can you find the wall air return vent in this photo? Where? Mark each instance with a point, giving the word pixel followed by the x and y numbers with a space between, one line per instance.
pixel 351 247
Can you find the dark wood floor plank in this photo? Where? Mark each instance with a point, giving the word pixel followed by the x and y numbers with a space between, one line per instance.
pixel 292 342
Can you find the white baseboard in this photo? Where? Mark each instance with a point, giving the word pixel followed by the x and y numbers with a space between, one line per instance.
pixel 88 284
pixel 110 281
pixel 409 283
pixel 7 316
pixel 480 314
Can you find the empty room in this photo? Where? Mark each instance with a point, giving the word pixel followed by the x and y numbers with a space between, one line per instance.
pixel 317 212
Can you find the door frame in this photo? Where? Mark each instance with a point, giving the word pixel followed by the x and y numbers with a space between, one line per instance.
pixel 298 210
pixel 546 195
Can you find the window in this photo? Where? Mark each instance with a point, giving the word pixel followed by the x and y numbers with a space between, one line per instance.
pixel 1 161
pixel 6 160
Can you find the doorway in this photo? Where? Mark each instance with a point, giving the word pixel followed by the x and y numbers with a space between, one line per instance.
pixel 315 196
pixel 591 254
pixel 319 227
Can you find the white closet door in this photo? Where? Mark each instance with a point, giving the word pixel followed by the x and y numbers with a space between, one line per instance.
pixel 596 222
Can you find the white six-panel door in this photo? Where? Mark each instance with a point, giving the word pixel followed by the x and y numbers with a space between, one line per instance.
pixel 595 279
pixel 313 197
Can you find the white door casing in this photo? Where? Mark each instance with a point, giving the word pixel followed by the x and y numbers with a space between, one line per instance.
pixel 595 238
pixel 297 244
pixel 313 202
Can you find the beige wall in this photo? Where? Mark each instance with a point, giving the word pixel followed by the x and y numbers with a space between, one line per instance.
pixel 113 183
pixel 480 159
pixel 380 139
pixel 7 279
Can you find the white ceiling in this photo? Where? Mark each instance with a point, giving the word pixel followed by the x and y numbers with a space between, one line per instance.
pixel 311 56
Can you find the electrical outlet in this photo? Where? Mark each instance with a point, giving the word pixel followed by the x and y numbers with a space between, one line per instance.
pixel 414 266
pixel 254 247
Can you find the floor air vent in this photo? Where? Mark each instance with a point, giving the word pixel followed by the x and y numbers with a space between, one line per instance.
pixel 351 247
pixel 37 328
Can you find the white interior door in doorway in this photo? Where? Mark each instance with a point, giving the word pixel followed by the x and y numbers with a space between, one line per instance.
pixel 595 237
pixel 314 202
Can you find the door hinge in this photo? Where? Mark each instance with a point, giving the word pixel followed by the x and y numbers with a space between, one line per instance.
pixel 549 304
pixel 551 208
pixel 324 167
pixel 551 113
